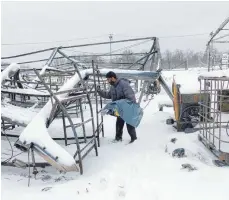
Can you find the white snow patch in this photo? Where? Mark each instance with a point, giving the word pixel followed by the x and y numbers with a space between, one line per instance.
pixel 9 71
pixel 18 114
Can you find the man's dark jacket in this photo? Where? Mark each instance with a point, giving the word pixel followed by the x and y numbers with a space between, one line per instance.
pixel 120 90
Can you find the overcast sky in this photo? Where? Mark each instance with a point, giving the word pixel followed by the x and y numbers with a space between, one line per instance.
pixel 26 22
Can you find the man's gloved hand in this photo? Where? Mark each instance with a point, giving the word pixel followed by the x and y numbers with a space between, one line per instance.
pixel 98 88
pixel 86 77
pixel 110 112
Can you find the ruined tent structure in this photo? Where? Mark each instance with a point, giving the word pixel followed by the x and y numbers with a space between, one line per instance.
pixel 62 91
pixel 219 37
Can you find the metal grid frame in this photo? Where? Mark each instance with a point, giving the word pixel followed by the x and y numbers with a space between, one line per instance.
pixel 214 114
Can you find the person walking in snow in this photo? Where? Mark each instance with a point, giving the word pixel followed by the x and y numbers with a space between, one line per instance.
pixel 120 89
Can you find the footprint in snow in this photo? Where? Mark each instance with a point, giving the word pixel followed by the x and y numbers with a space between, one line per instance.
pixel 120 192
pixel 103 184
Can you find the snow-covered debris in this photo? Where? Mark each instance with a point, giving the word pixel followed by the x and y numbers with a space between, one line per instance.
pixel 187 145
pixel 180 152
pixel 9 71
pixel 189 167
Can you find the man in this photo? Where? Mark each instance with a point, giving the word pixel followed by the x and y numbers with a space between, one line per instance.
pixel 120 89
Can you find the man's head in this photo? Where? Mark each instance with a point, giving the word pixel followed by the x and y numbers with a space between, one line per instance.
pixel 111 77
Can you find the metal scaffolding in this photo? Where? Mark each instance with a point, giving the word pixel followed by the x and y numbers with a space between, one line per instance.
pixel 214 115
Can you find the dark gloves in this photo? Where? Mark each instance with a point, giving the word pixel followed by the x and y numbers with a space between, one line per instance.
pixel 110 112
pixel 86 77
pixel 98 88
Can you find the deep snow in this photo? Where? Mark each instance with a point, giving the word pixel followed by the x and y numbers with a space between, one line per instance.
pixel 142 170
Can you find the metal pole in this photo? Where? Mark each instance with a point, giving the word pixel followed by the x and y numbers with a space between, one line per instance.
pixel 51 57
pixel 152 48
pixel 110 37
pixel 136 62
pixel 96 104
pixel 64 127
pixel 218 30
pixel 82 120
pixel 101 101
pixel 209 58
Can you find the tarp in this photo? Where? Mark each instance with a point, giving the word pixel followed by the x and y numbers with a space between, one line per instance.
pixel 130 112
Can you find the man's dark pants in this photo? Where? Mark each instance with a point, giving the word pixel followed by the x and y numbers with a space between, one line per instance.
pixel 119 129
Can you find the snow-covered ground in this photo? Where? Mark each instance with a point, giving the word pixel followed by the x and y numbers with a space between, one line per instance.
pixel 142 170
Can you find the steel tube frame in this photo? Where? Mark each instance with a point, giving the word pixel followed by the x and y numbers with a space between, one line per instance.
pixel 81 45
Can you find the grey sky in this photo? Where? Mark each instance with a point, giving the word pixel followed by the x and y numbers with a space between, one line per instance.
pixel 24 22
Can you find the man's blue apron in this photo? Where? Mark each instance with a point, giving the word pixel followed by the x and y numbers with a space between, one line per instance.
pixel 130 112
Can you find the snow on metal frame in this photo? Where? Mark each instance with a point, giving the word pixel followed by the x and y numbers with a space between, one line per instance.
pixel 9 71
pixel 135 74
pixel 37 133
pixel 26 91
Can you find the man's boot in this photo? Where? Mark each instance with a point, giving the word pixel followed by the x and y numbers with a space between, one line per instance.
pixel 132 133
pixel 119 129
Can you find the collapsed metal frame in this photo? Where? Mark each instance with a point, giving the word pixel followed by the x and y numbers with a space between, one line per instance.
pixel 61 106
pixel 213 40
pixel 151 59
pixel 153 56
pixel 214 115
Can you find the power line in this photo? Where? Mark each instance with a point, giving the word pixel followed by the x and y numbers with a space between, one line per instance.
pixel 192 35
pixel 74 39
pixel 46 42
pixel 130 46
pixel 115 50
pixel 173 36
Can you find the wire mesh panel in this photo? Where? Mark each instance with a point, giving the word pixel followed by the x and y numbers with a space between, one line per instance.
pixel 214 115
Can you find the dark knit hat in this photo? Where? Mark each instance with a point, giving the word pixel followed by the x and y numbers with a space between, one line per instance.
pixel 111 74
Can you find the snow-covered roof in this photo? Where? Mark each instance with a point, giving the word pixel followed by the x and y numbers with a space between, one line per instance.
pixel 188 79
